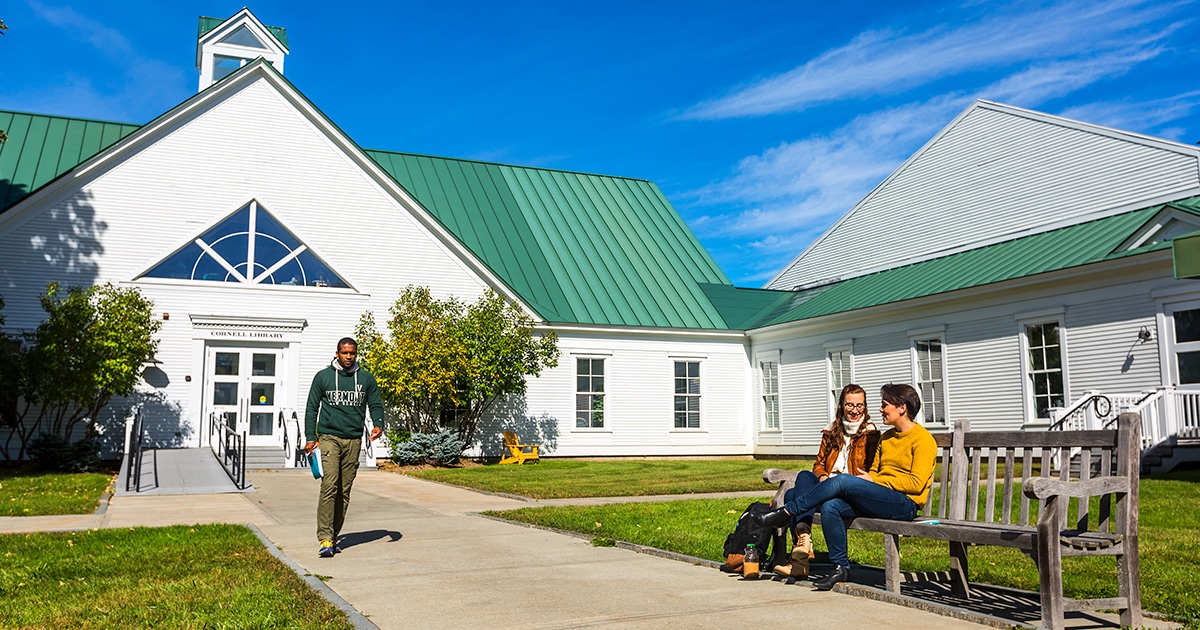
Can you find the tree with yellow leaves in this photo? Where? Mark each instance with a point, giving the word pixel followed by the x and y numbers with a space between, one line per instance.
pixel 441 364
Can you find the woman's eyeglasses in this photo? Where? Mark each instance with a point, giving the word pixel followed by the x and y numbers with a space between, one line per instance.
pixel 853 406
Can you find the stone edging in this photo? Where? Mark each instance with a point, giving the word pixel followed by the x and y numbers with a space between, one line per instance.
pixel 358 619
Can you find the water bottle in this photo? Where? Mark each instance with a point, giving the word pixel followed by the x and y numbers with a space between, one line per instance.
pixel 750 562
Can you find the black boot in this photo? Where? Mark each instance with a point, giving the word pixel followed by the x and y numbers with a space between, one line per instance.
pixel 774 518
pixel 839 574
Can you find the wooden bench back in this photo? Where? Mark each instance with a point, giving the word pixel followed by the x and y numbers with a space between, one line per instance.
pixel 510 438
pixel 979 467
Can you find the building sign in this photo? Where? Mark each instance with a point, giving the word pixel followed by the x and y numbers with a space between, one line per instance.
pixel 247 329
pixel 246 334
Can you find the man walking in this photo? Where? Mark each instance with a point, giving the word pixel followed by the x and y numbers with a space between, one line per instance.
pixel 334 418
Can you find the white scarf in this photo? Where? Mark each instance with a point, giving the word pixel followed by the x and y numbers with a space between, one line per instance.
pixel 843 458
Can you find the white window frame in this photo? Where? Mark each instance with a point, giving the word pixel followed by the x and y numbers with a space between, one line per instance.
pixel 929 334
pixel 1052 316
pixel 1169 348
pixel 699 396
pixel 764 415
pixel 841 346
pixel 603 394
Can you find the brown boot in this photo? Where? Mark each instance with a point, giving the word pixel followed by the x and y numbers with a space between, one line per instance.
pixel 803 537
pixel 797 567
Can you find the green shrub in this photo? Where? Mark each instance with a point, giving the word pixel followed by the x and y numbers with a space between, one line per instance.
pixel 439 449
pixel 52 452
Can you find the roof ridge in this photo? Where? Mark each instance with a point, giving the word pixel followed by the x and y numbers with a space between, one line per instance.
pixel 522 166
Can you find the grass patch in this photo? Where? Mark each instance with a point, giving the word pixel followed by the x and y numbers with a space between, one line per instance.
pixel 204 576
pixel 1169 542
pixel 31 493
pixel 562 479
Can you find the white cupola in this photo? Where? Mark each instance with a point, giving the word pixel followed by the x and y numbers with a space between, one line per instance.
pixel 226 45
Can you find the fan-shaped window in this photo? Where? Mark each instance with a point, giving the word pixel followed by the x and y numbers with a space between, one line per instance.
pixel 248 247
pixel 242 36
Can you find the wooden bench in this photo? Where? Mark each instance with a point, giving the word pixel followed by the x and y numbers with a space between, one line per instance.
pixel 517 453
pixel 977 477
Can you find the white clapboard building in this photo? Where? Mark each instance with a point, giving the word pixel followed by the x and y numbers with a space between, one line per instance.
pixel 1016 265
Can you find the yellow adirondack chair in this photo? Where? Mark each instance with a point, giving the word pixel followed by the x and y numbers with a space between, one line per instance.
pixel 514 451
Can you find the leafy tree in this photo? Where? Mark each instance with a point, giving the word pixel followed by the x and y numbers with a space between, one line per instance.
pixel 91 348
pixel 442 363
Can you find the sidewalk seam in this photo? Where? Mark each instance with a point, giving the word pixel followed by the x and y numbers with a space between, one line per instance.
pixel 359 620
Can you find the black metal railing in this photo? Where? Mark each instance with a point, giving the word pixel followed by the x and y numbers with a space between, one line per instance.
pixel 301 457
pixel 230 450
pixel 136 454
pixel 1098 402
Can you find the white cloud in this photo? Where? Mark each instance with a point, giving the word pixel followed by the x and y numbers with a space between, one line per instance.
pixel 1141 116
pixel 890 61
pixel 793 185
pixel 144 86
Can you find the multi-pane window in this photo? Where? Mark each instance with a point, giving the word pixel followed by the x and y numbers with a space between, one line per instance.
pixel 1045 367
pixel 839 371
pixel 589 393
pixel 931 378
pixel 1187 350
pixel 770 394
pixel 687 394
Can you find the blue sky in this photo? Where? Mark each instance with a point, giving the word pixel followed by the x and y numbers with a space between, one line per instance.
pixel 762 122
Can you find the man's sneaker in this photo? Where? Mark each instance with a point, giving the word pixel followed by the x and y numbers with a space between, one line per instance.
pixel 337 548
pixel 327 549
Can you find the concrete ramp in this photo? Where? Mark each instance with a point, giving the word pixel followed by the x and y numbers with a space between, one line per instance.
pixel 177 471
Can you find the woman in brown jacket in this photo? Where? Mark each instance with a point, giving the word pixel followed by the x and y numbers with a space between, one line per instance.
pixel 848 445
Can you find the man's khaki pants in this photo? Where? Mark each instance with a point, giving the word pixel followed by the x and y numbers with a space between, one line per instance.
pixel 339 461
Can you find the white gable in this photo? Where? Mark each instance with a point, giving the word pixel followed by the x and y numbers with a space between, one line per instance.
pixel 996 172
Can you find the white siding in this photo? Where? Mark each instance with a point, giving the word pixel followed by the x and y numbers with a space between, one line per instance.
pixel 995 171
pixel 984 372
pixel 1105 352
pixel 639 418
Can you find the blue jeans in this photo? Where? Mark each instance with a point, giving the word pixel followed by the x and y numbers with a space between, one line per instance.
pixel 845 497
pixel 805 481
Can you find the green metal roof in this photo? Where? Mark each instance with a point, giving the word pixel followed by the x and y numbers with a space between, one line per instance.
pixel 578 248
pixel 1072 246
pixel 209 23
pixel 742 307
pixel 40 148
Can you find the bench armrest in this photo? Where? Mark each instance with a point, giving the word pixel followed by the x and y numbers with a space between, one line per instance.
pixel 1045 487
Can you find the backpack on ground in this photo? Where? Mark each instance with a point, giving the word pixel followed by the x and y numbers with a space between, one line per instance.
pixel 744 533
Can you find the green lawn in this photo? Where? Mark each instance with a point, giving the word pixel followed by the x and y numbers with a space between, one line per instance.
pixel 1169 541
pixel 203 576
pixel 559 479
pixel 28 493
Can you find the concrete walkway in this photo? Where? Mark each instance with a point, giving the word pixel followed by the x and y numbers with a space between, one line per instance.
pixel 414 556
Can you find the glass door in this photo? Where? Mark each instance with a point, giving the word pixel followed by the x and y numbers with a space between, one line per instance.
pixel 244 387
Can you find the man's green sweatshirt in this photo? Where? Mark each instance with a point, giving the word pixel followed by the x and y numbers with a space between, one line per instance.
pixel 338 402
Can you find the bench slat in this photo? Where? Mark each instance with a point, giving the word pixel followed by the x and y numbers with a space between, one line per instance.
pixel 1026 471
pixel 1033 439
pixel 1006 509
pixel 973 496
pixel 990 512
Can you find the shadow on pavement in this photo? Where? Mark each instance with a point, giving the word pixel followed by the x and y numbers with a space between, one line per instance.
pixel 362 538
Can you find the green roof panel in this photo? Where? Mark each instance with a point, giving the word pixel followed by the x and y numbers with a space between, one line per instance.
pixel 578 248
pixel 40 148
pixel 1067 247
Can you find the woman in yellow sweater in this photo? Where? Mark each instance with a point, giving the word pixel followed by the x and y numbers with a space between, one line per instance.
pixel 895 488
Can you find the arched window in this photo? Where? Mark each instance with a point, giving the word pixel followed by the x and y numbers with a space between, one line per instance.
pixel 248 247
